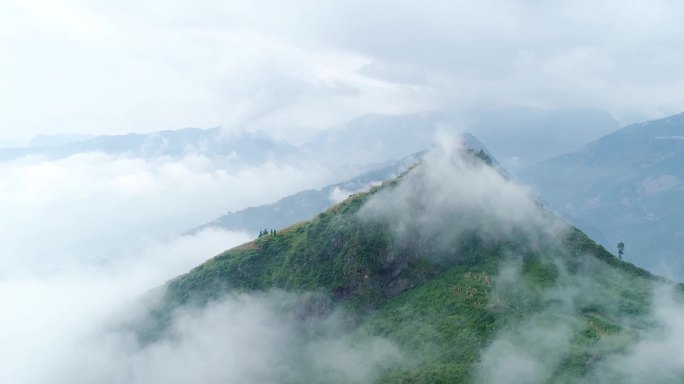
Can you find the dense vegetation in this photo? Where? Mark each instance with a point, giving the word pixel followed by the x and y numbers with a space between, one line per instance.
pixel 441 302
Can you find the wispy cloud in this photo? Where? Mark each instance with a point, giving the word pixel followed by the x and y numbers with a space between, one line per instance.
pixel 85 237
pixel 242 338
pixel 86 205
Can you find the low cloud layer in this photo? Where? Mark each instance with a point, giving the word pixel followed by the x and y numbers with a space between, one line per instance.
pixel 89 206
pixel 48 314
pixel 239 339
pixel 84 237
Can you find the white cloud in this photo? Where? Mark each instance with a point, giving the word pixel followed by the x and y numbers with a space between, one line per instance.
pixel 85 206
pixel 291 68
pixel 49 314
pixel 451 193
pixel 238 339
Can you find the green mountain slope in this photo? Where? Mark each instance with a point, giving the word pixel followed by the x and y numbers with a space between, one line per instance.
pixel 455 266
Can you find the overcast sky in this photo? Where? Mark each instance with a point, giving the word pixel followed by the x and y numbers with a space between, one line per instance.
pixel 291 67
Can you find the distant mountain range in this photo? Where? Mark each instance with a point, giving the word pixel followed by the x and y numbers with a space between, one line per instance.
pixel 243 147
pixel 518 136
pixel 58 139
pixel 626 186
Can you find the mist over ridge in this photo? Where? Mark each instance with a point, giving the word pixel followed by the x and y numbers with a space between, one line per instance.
pixel 503 269
pixel 341 192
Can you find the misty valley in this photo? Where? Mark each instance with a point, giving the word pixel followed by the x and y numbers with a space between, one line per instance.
pixel 259 192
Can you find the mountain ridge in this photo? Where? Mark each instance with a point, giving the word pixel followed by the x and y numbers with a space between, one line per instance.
pixel 449 300
pixel 244 146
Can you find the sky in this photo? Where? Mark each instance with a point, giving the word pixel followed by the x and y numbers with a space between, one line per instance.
pixel 292 68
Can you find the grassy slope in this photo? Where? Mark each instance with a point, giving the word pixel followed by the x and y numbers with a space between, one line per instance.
pixel 440 313
pixel 446 322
